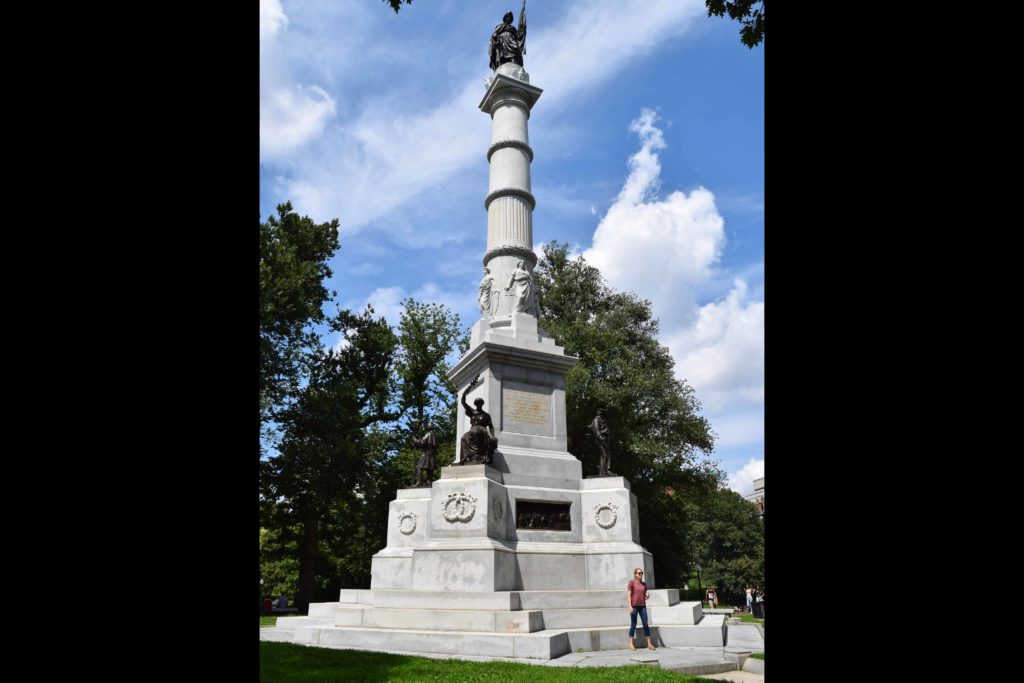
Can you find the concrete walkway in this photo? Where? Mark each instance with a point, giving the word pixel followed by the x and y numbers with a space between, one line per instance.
pixel 737 677
pixel 744 637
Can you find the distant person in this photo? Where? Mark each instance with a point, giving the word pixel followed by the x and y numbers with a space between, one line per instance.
pixel 636 592
pixel 712 597
pixel 750 598
pixel 759 603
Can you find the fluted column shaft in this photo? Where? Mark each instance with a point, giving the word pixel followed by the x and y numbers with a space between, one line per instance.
pixel 509 201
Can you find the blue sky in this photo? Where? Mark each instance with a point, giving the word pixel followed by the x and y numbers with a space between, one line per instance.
pixel 649 161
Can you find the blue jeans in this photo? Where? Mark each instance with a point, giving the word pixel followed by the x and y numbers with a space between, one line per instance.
pixel 642 611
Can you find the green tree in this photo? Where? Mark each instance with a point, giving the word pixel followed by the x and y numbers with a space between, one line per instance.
pixel 355 529
pixel 744 12
pixel 353 516
pixel 397 4
pixel 727 539
pixel 427 335
pixel 656 432
pixel 279 564
pixel 321 457
pixel 294 252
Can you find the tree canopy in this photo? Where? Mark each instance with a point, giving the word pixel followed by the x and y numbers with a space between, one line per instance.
pixel 321 455
pixel 726 538
pixel 294 252
pixel 340 418
pixel 744 12
pixel 397 4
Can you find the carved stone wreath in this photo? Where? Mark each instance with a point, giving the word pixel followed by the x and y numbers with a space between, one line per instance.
pixel 407 522
pixel 458 507
pixel 498 510
pixel 606 514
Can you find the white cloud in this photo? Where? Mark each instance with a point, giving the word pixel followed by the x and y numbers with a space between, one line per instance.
pixel 742 482
pixel 596 38
pixel 722 353
pixel 291 114
pixel 737 427
pixel 386 301
pixel 658 249
pixel 394 149
pixel 272 18
pixel 666 251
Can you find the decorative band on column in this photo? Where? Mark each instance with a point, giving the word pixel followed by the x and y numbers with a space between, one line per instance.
pixel 510 192
pixel 518 144
pixel 518 252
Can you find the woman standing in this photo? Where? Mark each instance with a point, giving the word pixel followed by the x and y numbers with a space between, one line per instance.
pixel 636 592
pixel 712 597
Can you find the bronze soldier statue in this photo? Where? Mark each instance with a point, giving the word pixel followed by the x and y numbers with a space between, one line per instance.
pixel 427 461
pixel 600 428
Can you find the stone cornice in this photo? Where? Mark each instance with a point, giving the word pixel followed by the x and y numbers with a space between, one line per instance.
pixel 505 90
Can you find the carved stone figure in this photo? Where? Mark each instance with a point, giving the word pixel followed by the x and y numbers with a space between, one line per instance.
pixel 484 297
pixel 525 293
pixel 508 44
pixel 479 443
pixel 600 428
pixel 427 461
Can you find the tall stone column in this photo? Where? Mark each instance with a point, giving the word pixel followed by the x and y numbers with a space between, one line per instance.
pixel 509 202
pixel 520 368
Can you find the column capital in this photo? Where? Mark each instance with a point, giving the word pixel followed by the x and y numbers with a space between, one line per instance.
pixel 510 90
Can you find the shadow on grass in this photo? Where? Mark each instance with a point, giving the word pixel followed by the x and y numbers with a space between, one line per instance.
pixel 289 663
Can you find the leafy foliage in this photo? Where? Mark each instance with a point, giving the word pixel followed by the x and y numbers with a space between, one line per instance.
pixel 428 333
pixel 656 431
pixel 743 11
pixel 727 540
pixel 345 446
pixel 321 454
pixel 397 4
pixel 294 252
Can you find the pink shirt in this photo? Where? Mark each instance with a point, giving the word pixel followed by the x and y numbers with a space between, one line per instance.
pixel 638 593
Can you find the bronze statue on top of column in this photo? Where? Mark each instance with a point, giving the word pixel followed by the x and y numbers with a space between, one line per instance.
pixel 508 44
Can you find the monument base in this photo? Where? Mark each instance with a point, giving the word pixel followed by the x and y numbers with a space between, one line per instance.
pixel 512 624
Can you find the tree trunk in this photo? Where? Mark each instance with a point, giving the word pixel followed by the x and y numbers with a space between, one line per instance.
pixel 307 564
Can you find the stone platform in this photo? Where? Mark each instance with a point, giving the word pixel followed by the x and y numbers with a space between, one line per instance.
pixel 539 625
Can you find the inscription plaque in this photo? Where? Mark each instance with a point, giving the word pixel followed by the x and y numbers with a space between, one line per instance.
pixel 526 411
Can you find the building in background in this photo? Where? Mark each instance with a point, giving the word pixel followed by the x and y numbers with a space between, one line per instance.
pixel 757 497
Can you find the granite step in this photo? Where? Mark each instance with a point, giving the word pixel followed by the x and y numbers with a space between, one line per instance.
pixel 447 620
pixel 501 600
pixel 539 645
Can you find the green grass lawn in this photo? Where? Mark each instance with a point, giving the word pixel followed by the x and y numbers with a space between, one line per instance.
pixel 758 655
pixel 289 663
pixel 750 619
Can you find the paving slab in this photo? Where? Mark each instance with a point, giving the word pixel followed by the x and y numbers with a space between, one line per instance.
pixel 744 637
pixel 737 677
